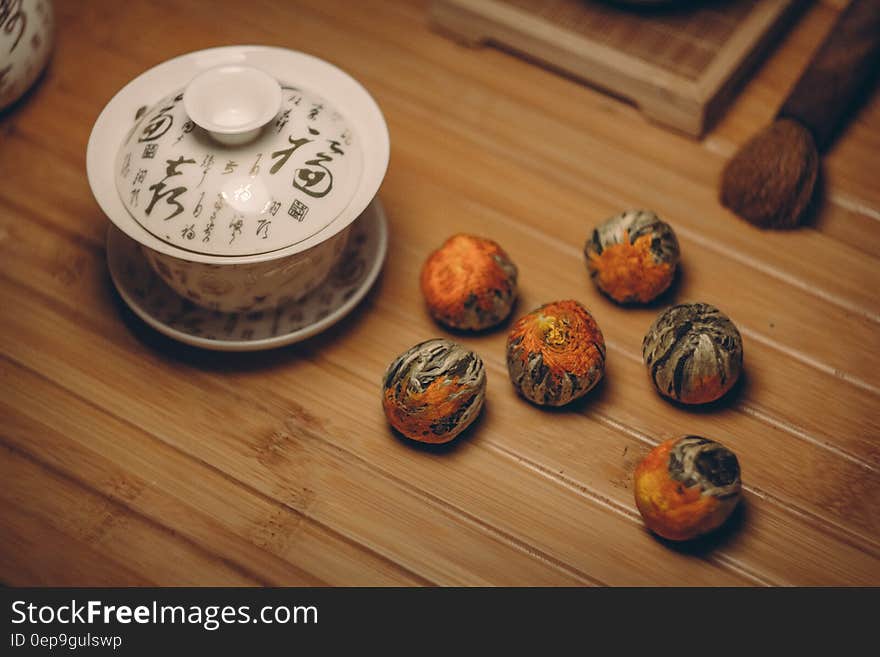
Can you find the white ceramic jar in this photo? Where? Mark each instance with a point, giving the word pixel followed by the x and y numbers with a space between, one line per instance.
pixel 239 171
pixel 26 32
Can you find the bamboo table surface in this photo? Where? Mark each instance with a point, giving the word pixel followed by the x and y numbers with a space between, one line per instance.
pixel 128 459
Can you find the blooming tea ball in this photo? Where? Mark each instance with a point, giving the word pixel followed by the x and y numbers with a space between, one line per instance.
pixel 434 390
pixel 469 283
pixel 556 353
pixel 632 257
pixel 694 353
pixel 687 486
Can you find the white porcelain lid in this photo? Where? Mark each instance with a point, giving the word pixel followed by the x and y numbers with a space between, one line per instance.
pixel 238 164
pixel 134 113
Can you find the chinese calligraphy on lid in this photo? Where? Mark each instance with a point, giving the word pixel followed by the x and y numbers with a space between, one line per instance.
pixel 200 194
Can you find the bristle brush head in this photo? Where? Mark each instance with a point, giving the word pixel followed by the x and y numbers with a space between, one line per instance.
pixel 770 181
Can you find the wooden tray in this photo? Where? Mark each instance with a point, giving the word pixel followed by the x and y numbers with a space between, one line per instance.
pixel 679 66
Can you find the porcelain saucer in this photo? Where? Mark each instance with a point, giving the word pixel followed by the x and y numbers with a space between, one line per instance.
pixel 167 312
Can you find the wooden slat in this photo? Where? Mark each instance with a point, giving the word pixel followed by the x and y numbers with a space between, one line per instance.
pixel 776 380
pixel 51 497
pixel 36 554
pixel 627 397
pixel 313 483
pixel 840 278
pixel 807 321
pixel 279 450
pixel 49 264
pixel 55 264
pixel 616 122
pixel 279 545
pixel 606 445
pixel 279 468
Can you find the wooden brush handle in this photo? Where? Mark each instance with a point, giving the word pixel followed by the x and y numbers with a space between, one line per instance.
pixel 846 61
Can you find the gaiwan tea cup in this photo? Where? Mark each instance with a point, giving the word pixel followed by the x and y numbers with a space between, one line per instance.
pixel 26 35
pixel 241 177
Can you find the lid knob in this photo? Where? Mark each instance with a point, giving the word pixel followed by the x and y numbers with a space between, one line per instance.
pixel 232 103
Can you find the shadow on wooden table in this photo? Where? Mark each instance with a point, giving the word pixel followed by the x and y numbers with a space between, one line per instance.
pixel 669 297
pixel 713 541
pixel 232 361
pixel 457 443
pixel 579 406
pixel 730 400
pixel 501 327
pixel 661 8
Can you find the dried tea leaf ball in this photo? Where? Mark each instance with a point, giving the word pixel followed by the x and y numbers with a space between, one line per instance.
pixel 687 487
pixel 632 257
pixel 693 352
pixel 434 390
pixel 469 283
pixel 556 353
